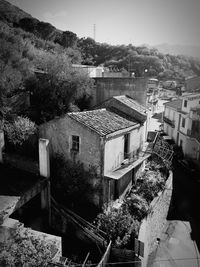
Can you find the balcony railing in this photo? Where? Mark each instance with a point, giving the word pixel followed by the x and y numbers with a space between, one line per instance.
pixel 168 121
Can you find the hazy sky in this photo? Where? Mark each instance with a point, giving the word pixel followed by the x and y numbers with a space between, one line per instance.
pixel 122 21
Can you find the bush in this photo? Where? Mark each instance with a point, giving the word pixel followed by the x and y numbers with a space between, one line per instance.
pixel 26 250
pixel 119 225
pixel 21 137
pixel 72 185
pixel 20 130
pixel 136 205
pixel 152 184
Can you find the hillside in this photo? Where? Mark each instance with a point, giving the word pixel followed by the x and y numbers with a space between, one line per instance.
pixel 11 13
pixel 187 50
pixel 125 58
pixel 27 44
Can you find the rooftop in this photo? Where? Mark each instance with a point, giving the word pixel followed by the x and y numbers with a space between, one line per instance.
pixel 175 104
pixel 130 102
pixel 192 96
pixel 102 121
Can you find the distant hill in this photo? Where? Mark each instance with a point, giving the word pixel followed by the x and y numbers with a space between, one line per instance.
pixel 11 13
pixel 16 17
pixel 186 50
pixel 164 62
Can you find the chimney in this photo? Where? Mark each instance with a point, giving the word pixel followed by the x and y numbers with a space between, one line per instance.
pixel 1 145
pixel 44 157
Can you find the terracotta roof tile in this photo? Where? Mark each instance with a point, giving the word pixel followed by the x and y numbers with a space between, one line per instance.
pixel 130 102
pixel 102 121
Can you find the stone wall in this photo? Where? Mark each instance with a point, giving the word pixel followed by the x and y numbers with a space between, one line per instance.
pixel 152 227
pixel 107 87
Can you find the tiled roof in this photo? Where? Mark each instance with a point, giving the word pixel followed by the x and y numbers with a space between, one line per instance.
pixel 130 102
pixel 102 121
pixel 175 104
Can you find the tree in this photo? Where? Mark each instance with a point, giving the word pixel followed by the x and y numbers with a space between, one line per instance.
pixel 137 206
pixel 26 250
pixel 119 225
pixel 56 87
pixel 72 185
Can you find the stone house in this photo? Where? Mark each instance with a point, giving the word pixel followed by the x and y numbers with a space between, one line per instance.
pixel 182 123
pixel 110 139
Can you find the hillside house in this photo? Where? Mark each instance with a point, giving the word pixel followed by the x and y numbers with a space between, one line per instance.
pixel 109 139
pixel 182 123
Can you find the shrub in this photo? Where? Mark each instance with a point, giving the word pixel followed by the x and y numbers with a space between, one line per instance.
pixel 152 184
pixel 26 250
pixel 136 205
pixel 19 131
pixel 119 225
pixel 72 184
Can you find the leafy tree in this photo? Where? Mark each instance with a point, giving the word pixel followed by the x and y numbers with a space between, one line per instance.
pixel 152 184
pixel 137 206
pixel 26 250
pixel 119 225
pixel 72 185
pixel 19 131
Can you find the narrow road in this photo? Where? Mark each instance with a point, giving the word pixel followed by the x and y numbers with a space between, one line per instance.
pixel 185 204
pixel 179 244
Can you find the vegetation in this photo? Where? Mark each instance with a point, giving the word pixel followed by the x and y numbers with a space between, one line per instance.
pixel 19 130
pixel 119 225
pixel 72 185
pixel 36 58
pixel 122 224
pixel 26 250
pixel 21 136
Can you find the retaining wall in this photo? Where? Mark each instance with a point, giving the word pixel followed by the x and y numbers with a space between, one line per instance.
pixel 152 226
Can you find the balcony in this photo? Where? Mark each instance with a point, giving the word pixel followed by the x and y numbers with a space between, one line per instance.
pixel 168 121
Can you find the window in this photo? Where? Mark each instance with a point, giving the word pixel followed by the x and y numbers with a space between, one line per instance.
pixel 181 143
pixel 185 103
pixel 75 143
pixel 126 145
pixel 183 122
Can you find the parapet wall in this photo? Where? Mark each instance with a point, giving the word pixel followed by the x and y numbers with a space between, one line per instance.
pixel 152 226
pixel 106 88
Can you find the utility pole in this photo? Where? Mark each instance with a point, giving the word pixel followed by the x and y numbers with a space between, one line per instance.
pixel 94 32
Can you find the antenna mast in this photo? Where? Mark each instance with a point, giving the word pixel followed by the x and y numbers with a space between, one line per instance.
pixel 94 32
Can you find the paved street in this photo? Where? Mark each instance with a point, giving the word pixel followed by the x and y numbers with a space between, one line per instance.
pixel 176 249
pixel 180 242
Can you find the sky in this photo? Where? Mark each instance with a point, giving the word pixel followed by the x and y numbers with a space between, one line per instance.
pixel 119 22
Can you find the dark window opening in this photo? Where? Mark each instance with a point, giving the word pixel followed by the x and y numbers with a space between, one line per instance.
pixel 183 122
pixel 181 143
pixel 185 103
pixel 126 146
pixel 75 143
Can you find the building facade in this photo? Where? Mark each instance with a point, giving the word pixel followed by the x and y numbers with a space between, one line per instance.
pixel 182 123
pixel 101 138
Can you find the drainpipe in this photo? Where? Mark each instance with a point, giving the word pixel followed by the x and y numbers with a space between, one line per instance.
pixel 102 149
